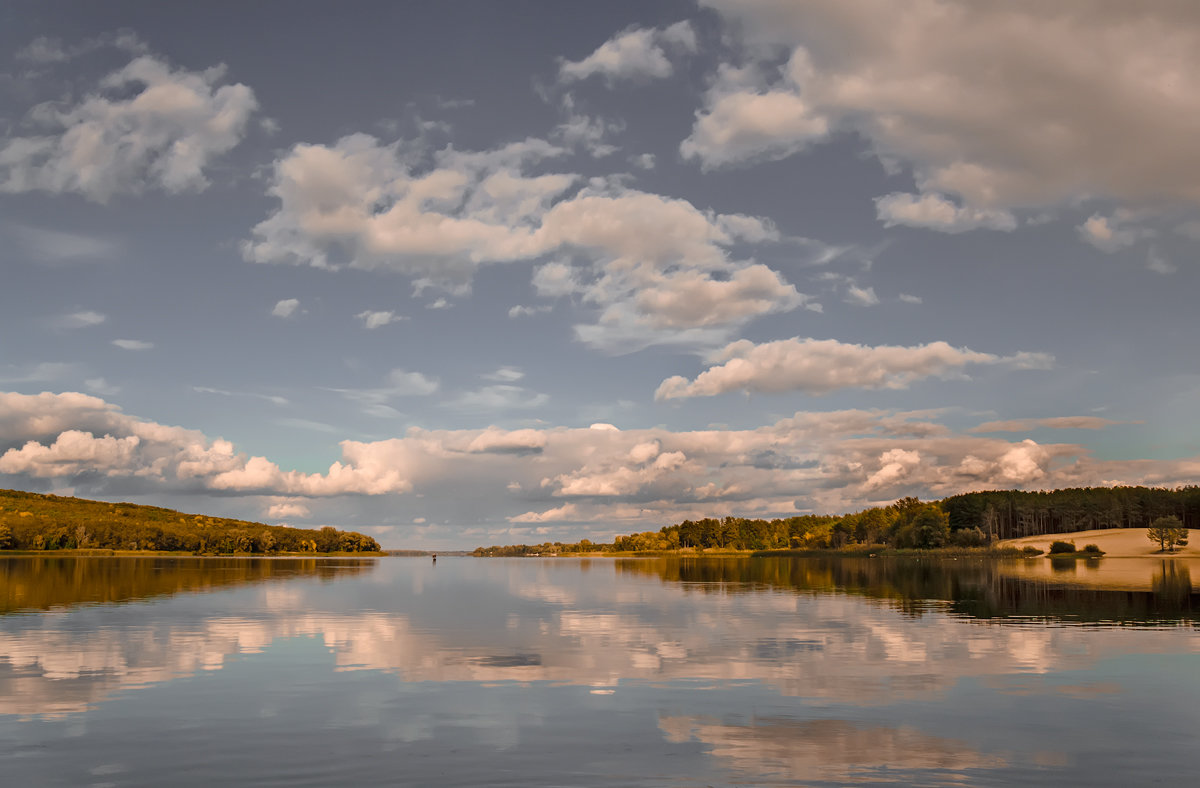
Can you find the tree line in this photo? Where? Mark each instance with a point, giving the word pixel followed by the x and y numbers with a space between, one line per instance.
pixel 1011 514
pixel 905 524
pixel 29 521
pixel 973 519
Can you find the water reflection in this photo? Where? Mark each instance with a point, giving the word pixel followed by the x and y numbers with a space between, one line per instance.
pixel 1132 591
pixel 568 672
pixel 833 750
pixel 41 583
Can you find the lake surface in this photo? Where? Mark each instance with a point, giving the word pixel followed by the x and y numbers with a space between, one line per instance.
pixel 564 672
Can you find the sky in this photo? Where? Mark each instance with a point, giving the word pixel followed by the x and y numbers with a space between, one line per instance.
pixel 473 273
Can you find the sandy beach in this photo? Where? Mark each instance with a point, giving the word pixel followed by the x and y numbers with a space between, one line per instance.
pixel 1115 542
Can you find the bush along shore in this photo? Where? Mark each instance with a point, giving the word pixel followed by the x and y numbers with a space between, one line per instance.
pixel 30 522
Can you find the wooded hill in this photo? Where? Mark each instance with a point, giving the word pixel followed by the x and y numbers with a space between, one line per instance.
pixel 973 519
pixel 29 521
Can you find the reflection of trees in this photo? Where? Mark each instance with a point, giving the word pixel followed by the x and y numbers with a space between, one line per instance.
pixel 40 583
pixel 975 588
pixel 1172 585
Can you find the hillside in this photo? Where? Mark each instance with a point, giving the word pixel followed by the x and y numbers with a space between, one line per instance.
pixel 30 521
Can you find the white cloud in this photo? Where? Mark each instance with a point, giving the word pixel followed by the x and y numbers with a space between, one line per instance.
pixel 133 344
pixel 648 263
pixel 368 205
pixel 935 212
pixel 588 133
pixel 72 452
pixel 821 366
pixel 741 125
pixel 378 319
pixel 1110 233
pixel 528 311
pixel 285 307
pixel 637 53
pixel 84 319
pixel 497 441
pixel 505 375
pixel 910 299
pixel 861 296
pixel 164 136
pixel 643 161
pixel 566 513
pixel 286 509
pixel 823 461
pixel 1001 106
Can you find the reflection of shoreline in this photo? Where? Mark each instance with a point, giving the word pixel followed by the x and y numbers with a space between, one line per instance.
pixel 31 583
pixel 1018 590
pixel 1105 574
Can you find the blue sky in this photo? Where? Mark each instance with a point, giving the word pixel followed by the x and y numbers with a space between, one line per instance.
pixel 479 273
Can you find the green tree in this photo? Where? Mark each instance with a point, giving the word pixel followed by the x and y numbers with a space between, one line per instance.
pixel 6 537
pixel 1168 532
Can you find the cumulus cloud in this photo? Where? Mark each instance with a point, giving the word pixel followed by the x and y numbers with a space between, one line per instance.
pixel 742 123
pixel 285 307
pixel 980 101
pixel 80 437
pixel 286 509
pixel 935 212
pixel 827 461
pixel 73 452
pixel 163 136
pixel 636 53
pixel 652 266
pixel 816 366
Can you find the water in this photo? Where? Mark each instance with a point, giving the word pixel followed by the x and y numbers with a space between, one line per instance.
pixel 562 672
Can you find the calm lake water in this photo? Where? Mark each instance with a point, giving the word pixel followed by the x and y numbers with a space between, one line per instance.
pixel 563 672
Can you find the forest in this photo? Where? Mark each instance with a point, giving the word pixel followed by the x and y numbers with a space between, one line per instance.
pixel 30 521
pixel 974 519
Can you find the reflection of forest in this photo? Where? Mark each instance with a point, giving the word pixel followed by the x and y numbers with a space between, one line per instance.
pixel 39 583
pixel 977 589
